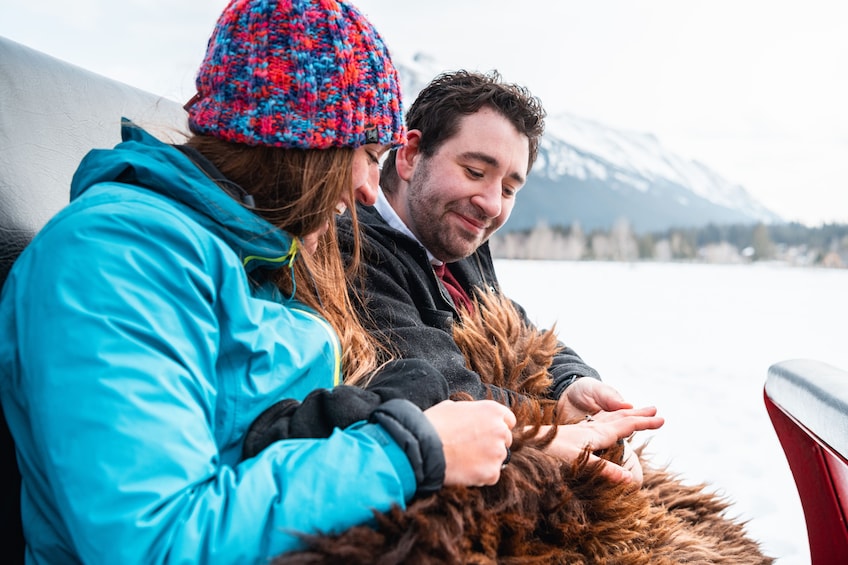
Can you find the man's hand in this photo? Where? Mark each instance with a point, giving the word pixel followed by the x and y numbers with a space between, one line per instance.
pixel 588 396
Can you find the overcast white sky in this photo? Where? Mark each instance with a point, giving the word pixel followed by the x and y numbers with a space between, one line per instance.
pixel 756 89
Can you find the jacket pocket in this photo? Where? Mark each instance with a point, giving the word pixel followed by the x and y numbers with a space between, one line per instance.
pixel 441 319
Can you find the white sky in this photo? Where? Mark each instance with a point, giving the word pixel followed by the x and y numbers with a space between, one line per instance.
pixel 756 89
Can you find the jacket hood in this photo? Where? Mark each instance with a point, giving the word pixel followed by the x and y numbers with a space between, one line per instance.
pixel 144 161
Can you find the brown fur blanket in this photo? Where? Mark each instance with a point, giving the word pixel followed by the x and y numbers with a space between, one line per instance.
pixel 542 510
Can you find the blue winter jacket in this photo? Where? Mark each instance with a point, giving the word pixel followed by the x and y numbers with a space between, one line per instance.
pixel 136 349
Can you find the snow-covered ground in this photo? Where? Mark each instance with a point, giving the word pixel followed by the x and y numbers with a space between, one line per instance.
pixel 697 341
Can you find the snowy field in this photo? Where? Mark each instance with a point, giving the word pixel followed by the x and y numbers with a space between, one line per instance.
pixel 697 341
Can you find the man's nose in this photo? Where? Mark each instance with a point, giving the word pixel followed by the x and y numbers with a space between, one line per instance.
pixel 489 200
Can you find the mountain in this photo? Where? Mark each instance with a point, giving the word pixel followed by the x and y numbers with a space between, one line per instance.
pixel 596 175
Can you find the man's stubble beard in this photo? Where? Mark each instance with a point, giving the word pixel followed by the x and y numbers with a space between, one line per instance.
pixel 428 216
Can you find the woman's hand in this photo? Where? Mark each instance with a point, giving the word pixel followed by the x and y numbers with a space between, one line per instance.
pixel 476 437
pixel 630 462
pixel 602 431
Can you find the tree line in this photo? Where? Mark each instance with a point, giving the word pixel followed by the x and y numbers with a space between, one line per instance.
pixel 793 243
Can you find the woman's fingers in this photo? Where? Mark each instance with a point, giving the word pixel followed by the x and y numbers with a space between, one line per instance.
pixel 627 421
pixel 601 431
pixel 631 463
pixel 476 437
pixel 644 411
pixel 612 471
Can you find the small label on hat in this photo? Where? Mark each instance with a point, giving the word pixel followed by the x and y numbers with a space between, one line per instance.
pixel 371 135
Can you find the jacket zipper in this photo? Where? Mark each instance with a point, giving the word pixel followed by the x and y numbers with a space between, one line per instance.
pixel 334 339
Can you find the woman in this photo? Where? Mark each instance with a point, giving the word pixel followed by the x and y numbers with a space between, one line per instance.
pixel 176 298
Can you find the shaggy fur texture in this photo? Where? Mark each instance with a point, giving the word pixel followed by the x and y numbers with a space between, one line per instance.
pixel 542 511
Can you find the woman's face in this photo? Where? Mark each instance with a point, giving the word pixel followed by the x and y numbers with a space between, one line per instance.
pixel 366 173
pixel 365 178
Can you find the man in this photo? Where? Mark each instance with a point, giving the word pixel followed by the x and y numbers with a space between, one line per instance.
pixel 472 141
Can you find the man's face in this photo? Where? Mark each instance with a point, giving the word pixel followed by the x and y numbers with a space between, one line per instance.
pixel 457 198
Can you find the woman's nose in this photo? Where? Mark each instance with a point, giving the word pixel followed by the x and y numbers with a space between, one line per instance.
pixel 366 194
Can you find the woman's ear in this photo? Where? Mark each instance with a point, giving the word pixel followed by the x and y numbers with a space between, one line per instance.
pixel 407 155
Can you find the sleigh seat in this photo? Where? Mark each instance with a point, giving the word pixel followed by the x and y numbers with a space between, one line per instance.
pixel 807 402
pixel 51 114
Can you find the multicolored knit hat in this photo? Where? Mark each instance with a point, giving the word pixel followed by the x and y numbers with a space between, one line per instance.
pixel 306 74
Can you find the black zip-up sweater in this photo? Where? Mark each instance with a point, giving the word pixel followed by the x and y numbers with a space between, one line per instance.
pixel 408 308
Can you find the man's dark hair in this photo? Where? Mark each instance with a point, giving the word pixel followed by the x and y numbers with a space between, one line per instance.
pixel 450 96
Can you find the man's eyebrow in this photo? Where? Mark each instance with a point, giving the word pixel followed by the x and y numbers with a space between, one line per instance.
pixel 489 160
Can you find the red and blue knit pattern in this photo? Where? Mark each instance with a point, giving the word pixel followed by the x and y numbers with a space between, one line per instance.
pixel 307 74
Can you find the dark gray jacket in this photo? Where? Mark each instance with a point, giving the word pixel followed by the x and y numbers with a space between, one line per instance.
pixel 406 305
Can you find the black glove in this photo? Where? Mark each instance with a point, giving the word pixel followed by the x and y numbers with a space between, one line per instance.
pixel 323 410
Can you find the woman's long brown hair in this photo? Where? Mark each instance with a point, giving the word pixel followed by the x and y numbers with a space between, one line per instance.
pixel 298 191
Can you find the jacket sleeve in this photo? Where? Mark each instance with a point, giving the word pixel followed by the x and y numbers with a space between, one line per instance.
pixel 324 410
pixel 121 396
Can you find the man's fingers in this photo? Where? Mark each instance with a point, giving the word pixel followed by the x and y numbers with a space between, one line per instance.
pixel 610 399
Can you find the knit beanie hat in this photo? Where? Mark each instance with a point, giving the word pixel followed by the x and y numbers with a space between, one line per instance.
pixel 306 74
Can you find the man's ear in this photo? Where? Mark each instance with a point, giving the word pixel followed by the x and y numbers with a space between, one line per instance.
pixel 407 154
